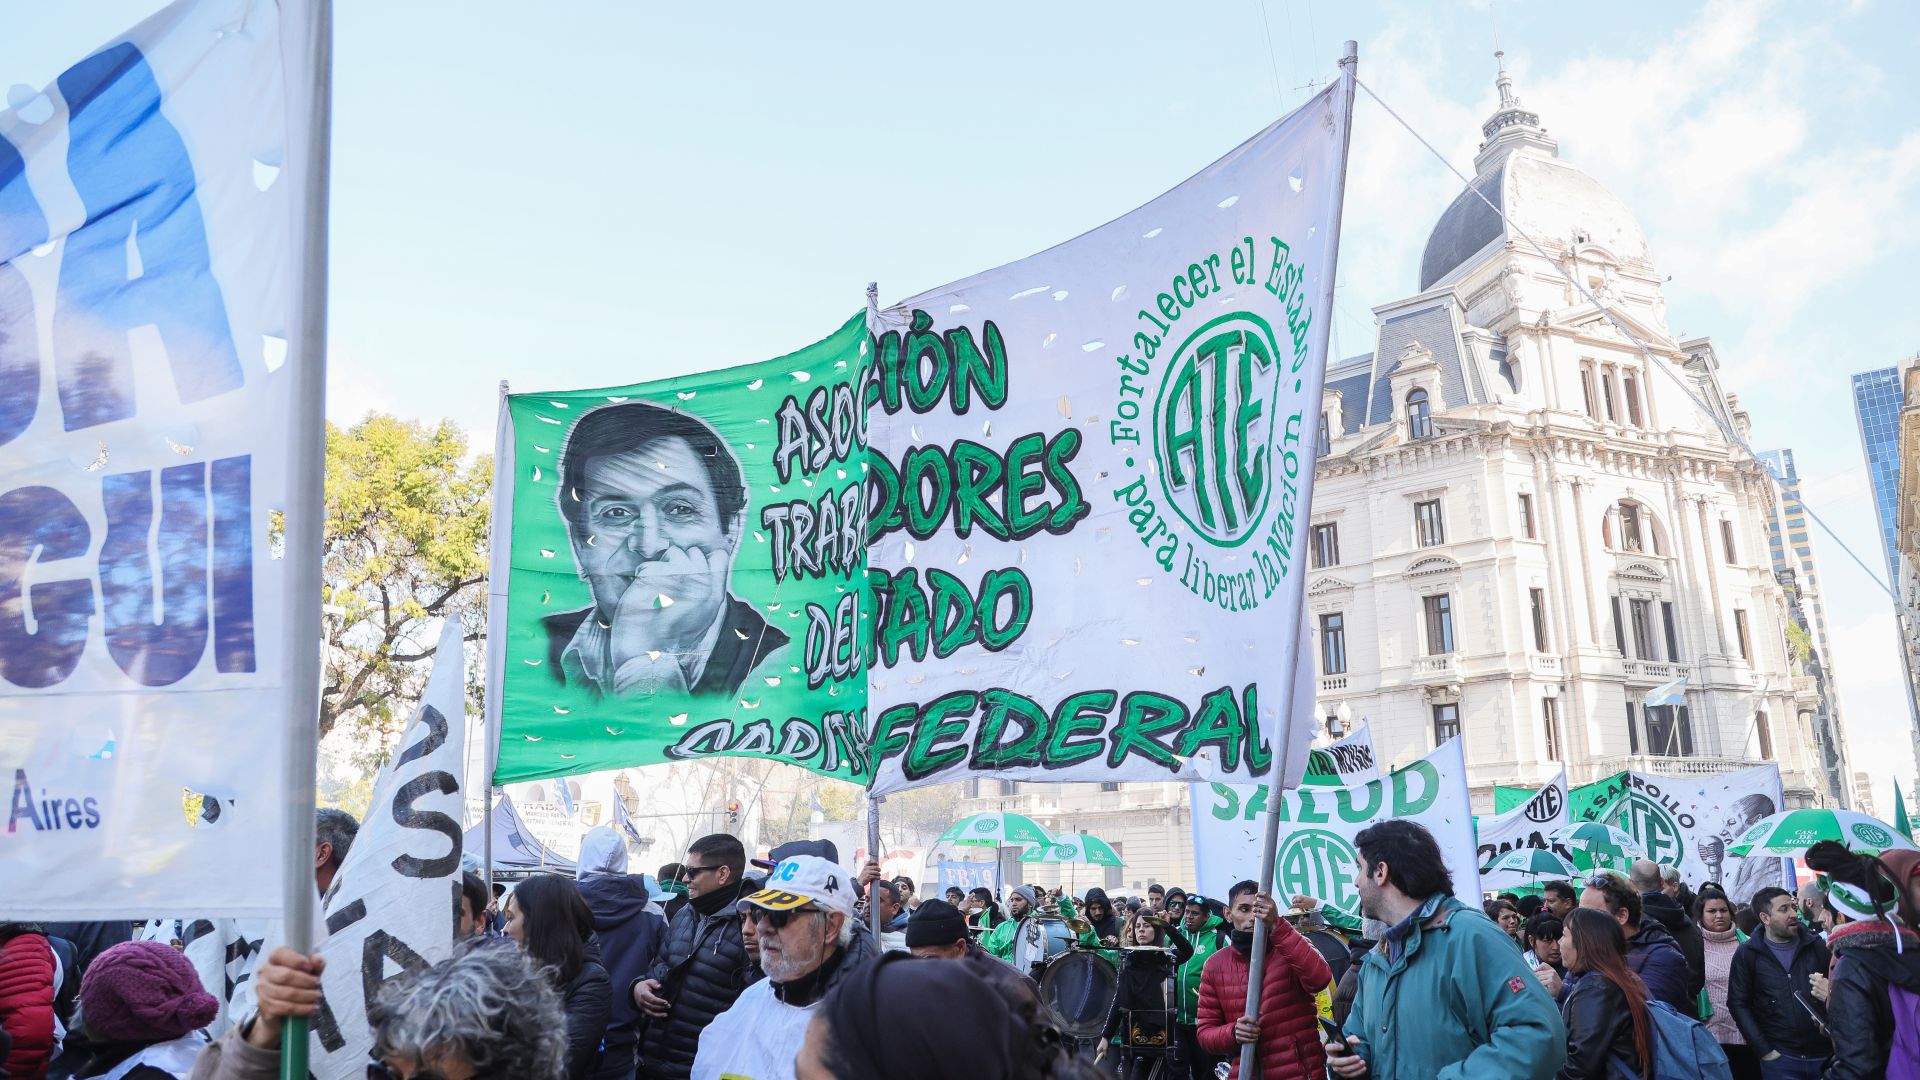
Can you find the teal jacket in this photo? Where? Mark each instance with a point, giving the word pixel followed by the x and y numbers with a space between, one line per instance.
pixel 1456 1002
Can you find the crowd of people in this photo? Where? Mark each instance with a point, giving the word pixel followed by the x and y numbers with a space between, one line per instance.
pixel 728 966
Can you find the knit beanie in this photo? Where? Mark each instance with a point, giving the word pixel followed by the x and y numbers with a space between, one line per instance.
pixel 936 923
pixel 143 992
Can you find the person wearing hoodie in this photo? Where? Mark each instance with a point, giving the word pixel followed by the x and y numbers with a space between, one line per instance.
pixel 1770 986
pixel 547 918
pixel 1206 930
pixel 630 932
pixel 1652 953
pixel 1660 905
pixel 1099 912
pixel 1873 1003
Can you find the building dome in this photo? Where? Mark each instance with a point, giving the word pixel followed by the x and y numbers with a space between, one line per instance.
pixel 1520 172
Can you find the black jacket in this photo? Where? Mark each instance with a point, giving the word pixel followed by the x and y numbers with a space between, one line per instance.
pixel 587 1002
pixel 1656 958
pixel 1860 1012
pixel 1760 996
pixel 746 638
pixel 1143 982
pixel 701 967
pixel 1667 911
pixel 1108 927
pixel 630 938
pixel 1599 1030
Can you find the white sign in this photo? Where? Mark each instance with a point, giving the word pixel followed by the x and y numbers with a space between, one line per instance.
pixel 1689 821
pixel 1348 761
pixel 1316 856
pixel 1092 471
pixel 147 273
pixel 1528 825
pixel 390 910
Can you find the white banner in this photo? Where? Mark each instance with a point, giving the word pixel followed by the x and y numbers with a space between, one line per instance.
pixel 1528 825
pixel 225 953
pixel 390 909
pixel 1688 822
pixel 147 273
pixel 1090 478
pixel 1316 856
pixel 1341 764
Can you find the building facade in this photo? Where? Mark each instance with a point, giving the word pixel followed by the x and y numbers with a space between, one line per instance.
pixel 1790 546
pixel 1522 526
pixel 1877 402
pixel 1904 558
pixel 1863 794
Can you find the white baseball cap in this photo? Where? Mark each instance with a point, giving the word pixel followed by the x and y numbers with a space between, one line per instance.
pixel 802 880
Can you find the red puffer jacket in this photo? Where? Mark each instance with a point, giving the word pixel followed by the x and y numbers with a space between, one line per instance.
pixel 1289 1031
pixel 26 1003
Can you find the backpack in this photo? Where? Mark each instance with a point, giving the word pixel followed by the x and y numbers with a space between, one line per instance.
pixel 1683 1048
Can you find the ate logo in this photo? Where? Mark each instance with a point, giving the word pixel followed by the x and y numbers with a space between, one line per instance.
pixel 1315 862
pixel 1872 835
pixel 986 825
pixel 1649 823
pixel 1213 427
pixel 1546 806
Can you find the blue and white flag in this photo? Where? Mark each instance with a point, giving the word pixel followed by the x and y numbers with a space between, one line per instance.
pixel 149 270
pixel 1673 693
pixel 623 820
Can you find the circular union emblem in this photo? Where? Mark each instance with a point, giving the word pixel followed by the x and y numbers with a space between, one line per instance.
pixel 1067 851
pixel 1753 835
pixel 1315 862
pixel 1545 806
pixel 1872 835
pixel 986 825
pixel 1214 424
pixel 1649 823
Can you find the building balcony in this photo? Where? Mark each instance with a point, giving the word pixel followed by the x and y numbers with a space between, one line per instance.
pixel 1656 671
pixel 1550 667
pixel 1669 766
pixel 1333 684
pixel 1442 668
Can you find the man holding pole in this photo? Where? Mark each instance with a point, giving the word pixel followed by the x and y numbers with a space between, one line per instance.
pixel 1284 1033
pixel 1445 995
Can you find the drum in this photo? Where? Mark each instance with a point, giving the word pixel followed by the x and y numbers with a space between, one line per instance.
pixel 1080 987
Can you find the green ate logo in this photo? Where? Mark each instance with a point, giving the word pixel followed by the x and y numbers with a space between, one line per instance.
pixel 986 825
pixel 1213 427
pixel 1315 862
pixel 1648 822
pixel 1872 835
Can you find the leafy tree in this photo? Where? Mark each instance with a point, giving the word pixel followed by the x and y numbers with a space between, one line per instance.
pixel 406 547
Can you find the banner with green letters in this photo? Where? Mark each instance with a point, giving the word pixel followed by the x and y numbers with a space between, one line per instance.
pixel 1316 856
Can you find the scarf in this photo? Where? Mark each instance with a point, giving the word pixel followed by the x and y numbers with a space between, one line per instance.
pixel 710 903
pixel 1396 938
pixel 812 986
pixel 1242 942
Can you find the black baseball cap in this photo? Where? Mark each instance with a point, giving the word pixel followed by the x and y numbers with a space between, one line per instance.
pixel 823 848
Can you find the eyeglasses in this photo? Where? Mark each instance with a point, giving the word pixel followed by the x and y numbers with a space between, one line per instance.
pixel 688 873
pixel 777 920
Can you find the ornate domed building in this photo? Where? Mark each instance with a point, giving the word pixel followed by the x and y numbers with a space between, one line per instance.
pixel 1521 528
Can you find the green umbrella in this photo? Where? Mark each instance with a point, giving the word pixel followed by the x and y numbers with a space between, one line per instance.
pixel 995 829
pixel 1602 844
pixel 1538 862
pixel 1075 848
pixel 1792 832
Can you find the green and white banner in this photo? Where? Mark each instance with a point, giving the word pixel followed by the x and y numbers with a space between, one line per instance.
pixel 1316 856
pixel 683 565
pixel 1528 825
pixel 1684 821
pixel 1092 476
pixel 1348 761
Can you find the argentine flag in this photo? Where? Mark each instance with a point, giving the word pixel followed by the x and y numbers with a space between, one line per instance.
pixel 1673 693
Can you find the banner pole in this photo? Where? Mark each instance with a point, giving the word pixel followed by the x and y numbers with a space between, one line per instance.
pixel 312 64
pixel 499 540
pixel 1269 845
pixel 873 852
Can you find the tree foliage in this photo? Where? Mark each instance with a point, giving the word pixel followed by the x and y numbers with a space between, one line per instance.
pixel 406 546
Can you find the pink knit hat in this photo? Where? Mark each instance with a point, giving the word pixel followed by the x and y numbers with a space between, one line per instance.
pixel 143 992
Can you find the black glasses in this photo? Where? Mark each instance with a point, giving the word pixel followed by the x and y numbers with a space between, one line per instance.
pixel 778 920
pixel 688 873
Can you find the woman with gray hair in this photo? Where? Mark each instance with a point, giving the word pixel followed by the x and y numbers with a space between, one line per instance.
pixel 485 1012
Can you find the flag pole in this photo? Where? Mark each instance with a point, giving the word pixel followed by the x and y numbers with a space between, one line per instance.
pixel 873 852
pixel 499 543
pixel 1256 962
pixel 311 137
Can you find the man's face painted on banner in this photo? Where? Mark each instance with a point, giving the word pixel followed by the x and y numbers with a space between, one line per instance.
pixel 638 509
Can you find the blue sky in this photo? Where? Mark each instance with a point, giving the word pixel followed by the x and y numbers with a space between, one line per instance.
pixel 606 192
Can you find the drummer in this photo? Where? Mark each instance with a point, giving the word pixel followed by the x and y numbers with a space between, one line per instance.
pixel 1154 948
pixel 1032 935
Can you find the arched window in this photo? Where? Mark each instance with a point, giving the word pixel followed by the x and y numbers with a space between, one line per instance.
pixel 1419 416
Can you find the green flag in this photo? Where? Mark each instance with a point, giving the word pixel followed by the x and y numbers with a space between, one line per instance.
pixel 668 546
pixel 1900 820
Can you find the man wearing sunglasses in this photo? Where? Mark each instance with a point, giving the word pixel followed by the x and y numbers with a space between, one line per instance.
pixel 702 965
pixel 803 919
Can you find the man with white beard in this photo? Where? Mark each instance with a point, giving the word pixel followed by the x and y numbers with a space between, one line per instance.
pixel 803 920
